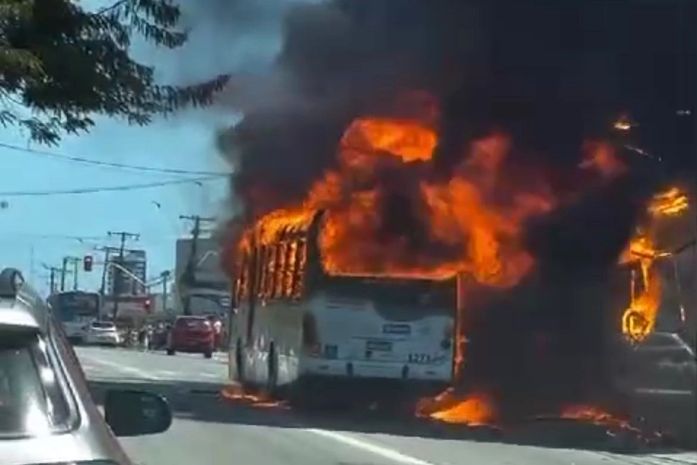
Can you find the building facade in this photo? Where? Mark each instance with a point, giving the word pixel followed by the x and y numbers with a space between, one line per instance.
pixel 120 282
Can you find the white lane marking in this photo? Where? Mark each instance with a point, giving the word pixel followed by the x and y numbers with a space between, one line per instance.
pixel 367 446
pixel 674 392
pixel 125 369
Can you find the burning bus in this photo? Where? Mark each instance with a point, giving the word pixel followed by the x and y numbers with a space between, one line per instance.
pixel 295 323
pixel 524 163
pixel 359 279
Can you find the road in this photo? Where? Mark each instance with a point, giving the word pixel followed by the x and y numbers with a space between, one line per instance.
pixel 208 429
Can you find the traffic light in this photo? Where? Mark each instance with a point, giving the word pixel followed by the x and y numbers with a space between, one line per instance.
pixel 146 304
pixel 87 263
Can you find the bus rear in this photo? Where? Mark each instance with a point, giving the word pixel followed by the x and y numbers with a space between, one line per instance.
pixel 75 310
pixel 380 329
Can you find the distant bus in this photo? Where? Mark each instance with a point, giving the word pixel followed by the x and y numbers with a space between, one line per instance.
pixel 295 325
pixel 75 310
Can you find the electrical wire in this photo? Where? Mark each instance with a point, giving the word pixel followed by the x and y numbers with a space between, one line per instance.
pixel 107 164
pixel 127 187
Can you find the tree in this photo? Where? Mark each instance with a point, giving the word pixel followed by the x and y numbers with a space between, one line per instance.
pixel 60 64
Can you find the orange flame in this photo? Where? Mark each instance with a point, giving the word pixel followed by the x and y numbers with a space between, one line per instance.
pixel 459 216
pixel 475 409
pixel 408 140
pixel 639 319
pixel 593 414
pixel 235 393
pixel 483 236
pixel 672 202
pixel 601 157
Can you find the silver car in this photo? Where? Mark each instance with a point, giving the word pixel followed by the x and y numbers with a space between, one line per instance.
pixel 102 332
pixel 46 413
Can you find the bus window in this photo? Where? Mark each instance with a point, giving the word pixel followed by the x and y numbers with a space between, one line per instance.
pixel 269 263
pixel 244 276
pixel 300 260
pixel 280 269
pixel 258 271
pixel 289 273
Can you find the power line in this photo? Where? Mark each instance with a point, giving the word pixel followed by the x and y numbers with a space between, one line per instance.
pixel 107 164
pixel 127 187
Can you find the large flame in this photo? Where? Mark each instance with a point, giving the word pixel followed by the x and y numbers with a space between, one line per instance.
pixel 475 409
pixel 459 224
pixel 639 319
pixel 409 140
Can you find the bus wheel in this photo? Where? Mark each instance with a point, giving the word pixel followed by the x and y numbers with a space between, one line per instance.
pixel 272 378
pixel 239 362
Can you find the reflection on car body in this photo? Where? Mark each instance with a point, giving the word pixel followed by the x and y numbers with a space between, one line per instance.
pixel 46 413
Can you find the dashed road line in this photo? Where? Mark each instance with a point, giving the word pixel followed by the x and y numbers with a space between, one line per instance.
pixel 125 369
pixel 384 452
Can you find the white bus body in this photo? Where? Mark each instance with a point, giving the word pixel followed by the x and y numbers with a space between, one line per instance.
pixel 337 327
pixel 75 310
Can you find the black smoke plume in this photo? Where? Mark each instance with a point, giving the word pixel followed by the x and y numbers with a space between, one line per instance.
pixel 550 74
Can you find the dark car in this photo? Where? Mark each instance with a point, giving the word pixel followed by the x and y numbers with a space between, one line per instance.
pixel 46 412
pixel 192 334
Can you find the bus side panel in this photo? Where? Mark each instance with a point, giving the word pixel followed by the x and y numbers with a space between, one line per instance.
pixel 277 327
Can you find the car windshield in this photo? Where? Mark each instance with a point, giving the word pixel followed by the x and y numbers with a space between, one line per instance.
pixel 31 397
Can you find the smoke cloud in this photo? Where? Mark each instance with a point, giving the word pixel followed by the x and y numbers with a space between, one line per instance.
pixel 551 75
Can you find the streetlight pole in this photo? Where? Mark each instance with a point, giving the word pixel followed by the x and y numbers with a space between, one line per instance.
pixel 117 273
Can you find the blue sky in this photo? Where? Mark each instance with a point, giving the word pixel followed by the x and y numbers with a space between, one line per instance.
pixel 31 227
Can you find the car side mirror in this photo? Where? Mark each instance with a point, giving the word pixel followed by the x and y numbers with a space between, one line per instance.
pixel 134 413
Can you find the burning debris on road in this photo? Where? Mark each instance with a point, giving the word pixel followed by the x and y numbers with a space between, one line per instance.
pixel 482 139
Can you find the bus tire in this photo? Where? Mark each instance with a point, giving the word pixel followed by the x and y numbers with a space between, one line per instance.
pixel 272 374
pixel 239 362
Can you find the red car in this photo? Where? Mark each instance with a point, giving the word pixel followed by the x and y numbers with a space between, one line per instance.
pixel 191 334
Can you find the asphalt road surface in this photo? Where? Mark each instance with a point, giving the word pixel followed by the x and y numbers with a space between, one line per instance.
pixel 209 429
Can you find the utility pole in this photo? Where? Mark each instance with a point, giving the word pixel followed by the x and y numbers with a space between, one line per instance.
pixel 117 272
pixel 52 277
pixel 64 271
pixel 75 272
pixel 190 272
pixel 165 277
pixel 107 252
pixel 65 264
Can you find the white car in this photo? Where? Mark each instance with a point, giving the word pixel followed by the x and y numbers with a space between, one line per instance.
pixel 102 332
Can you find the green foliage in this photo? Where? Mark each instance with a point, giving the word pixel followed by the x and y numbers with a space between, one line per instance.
pixel 65 63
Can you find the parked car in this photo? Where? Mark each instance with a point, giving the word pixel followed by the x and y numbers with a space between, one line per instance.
pixel 191 334
pixel 46 412
pixel 102 332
